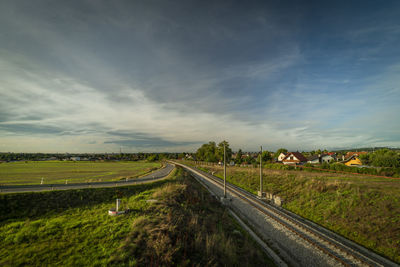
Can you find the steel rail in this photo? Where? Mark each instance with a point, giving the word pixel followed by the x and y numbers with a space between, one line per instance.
pixel 287 221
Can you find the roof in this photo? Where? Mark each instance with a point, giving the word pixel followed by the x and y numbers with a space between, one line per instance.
pixel 317 156
pixel 350 158
pixel 350 154
pixel 298 155
pixel 313 157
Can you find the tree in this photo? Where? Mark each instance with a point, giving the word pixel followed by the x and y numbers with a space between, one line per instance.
pixel 152 157
pixel 212 153
pixel 207 152
pixel 249 160
pixel 365 159
pixel 279 151
pixel 266 156
pixel 220 151
pixel 239 157
pixel 385 158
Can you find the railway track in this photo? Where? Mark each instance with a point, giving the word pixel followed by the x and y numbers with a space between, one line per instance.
pixel 343 251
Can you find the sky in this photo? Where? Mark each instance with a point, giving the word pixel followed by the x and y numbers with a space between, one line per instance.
pixel 147 76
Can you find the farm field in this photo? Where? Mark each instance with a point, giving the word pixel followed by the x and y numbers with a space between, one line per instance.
pixel 362 208
pixel 171 222
pixel 31 172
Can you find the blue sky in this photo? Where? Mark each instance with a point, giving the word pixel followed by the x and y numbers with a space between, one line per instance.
pixel 94 76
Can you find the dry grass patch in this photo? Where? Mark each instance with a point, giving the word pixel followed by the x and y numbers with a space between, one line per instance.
pixel 362 208
pixel 187 227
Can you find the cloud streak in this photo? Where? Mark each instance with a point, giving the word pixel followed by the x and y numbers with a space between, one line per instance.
pixel 157 76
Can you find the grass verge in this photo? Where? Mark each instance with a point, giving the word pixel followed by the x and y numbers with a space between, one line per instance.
pixel 171 222
pixel 32 172
pixel 361 208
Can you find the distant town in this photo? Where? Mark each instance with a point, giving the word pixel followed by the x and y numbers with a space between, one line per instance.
pixel 381 157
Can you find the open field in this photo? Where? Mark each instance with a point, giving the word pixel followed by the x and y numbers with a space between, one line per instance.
pixel 181 225
pixel 362 208
pixel 31 172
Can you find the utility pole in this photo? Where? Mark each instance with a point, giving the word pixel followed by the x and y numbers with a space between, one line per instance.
pixel 261 180
pixel 224 171
pixel 261 193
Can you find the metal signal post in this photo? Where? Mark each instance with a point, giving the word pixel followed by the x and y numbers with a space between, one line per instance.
pixel 224 171
pixel 261 181
pixel 261 194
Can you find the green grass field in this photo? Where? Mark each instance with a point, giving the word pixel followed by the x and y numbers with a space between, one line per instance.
pixel 362 208
pixel 182 225
pixel 31 172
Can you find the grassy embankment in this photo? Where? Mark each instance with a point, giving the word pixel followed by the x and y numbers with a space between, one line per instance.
pixel 31 172
pixel 182 225
pixel 361 208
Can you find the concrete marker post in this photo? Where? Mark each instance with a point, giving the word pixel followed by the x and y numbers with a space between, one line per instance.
pixel 118 204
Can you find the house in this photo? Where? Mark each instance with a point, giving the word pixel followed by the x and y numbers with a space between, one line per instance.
pixel 294 158
pixel 353 161
pixel 320 159
pixel 351 154
pixel 281 156
pixel 188 156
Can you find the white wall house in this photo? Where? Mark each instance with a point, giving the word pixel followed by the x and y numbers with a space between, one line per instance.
pixel 320 159
pixel 281 156
pixel 294 158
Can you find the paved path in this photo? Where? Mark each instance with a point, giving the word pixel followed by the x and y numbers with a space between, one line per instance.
pixel 156 175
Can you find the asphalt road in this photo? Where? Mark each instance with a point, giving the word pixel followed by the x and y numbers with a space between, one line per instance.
pixel 156 175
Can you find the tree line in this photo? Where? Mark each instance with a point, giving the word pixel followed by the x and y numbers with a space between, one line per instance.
pixel 211 152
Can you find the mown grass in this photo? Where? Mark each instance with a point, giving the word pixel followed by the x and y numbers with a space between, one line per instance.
pixel 32 172
pixel 182 225
pixel 361 208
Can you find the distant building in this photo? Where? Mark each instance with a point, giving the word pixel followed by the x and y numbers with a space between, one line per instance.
pixel 75 158
pixel 353 161
pixel 317 159
pixel 351 154
pixel 294 158
pixel 281 156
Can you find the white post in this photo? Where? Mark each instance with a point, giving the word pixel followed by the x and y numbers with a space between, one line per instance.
pixel 41 182
pixel 66 181
pixel 118 204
